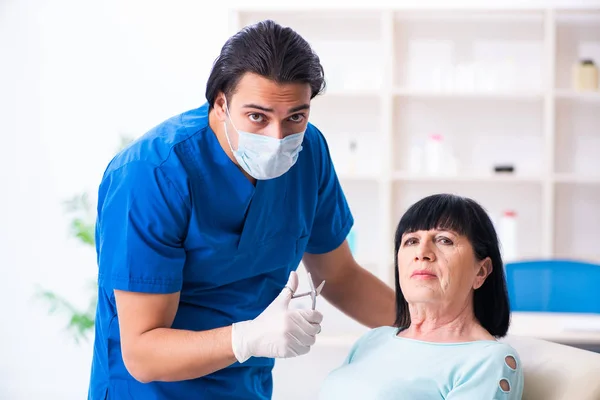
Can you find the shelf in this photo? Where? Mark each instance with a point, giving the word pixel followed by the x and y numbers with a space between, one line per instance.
pixel 359 93
pixel 496 84
pixel 464 16
pixel 399 92
pixel 577 140
pixel 467 178
pixel 588 258
pixel 358 117
pixel 526 199
pixel 469 50
pixel 567 94
pixel 577 178
pixel 358 178
pixel 578 17
pixel 470 178
pixel 577 218
pixel 479 134
pixel 577 38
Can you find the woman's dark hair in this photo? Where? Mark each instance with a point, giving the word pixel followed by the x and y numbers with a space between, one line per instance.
pixel 465 217
pixel 269 50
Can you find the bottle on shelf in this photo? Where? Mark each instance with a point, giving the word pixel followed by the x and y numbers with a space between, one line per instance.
pixel 352 156
pixel 507 232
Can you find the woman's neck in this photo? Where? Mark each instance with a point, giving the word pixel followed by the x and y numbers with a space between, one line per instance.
pixel 438 324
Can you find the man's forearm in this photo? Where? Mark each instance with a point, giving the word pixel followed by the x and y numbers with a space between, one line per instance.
pixel 164 354
pixel 362 296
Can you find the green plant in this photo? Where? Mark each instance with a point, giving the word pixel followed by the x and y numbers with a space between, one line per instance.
pixel 82 227
pixel 81 321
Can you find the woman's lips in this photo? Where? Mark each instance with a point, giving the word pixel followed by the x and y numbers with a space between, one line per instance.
pixel 423 274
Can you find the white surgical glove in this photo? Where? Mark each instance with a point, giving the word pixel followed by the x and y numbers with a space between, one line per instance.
pixel 277 332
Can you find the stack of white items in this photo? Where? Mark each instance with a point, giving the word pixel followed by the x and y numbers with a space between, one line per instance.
pixel 434 158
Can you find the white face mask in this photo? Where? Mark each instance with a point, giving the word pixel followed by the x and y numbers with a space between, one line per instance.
pixel 264 157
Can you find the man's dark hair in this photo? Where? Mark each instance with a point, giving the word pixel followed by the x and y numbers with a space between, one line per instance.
pixel 269 50
pixel 465 217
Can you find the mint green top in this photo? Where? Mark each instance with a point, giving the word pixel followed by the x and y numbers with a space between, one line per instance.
pixel 384 366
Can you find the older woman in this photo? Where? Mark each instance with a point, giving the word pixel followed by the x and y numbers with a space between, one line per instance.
pixel 452 306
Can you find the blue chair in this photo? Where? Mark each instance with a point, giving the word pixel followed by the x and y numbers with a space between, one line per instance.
pixel 560 286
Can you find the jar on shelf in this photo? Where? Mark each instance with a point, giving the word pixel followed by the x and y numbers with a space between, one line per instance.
pixel 585 75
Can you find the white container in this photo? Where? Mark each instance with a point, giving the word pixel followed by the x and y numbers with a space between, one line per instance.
pixel 353 159
pixel 452 167
pixel 464 78
pixel 507 232
pixel 415 159
pixel 434 154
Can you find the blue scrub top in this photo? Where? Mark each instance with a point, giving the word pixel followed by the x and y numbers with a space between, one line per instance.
pixel 176 214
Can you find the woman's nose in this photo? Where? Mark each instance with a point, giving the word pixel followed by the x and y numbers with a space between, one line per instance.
pixel 424 252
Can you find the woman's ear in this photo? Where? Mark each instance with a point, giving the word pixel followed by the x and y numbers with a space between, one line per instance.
pixel 484 269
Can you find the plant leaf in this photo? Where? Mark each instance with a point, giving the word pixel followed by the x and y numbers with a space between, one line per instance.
pixel 84 231
pixel 80 323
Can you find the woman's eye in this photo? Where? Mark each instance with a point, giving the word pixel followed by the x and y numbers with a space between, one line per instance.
pixel 256 117
pixel 410 241
pixel 297 118
pixel 445 240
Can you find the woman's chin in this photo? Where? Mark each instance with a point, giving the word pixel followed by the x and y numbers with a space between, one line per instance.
pixel 421 294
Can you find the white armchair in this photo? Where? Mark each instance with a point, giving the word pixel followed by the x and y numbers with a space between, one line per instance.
pixel 557 372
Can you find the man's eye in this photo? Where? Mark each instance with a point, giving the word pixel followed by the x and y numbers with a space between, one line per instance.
pixel 297 118
pixel 254 117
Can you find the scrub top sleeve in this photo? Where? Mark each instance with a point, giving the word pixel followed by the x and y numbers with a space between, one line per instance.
pixel 333 219
pixel 142 220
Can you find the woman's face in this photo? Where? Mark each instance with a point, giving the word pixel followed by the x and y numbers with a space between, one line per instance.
pixel 438 266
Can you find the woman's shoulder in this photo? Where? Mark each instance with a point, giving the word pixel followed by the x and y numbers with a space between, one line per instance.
pixel 371 339
pixel 493 354
pixel 498 348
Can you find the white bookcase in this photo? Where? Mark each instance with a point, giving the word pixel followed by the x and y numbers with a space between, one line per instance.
pixel 496 84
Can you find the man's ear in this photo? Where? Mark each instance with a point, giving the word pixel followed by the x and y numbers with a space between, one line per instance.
pixel 220 107
pixel 484 270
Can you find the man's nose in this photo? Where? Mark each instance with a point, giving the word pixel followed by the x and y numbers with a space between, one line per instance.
pixel 275 131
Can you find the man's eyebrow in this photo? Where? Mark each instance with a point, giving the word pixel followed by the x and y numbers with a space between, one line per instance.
pixel 256 106
pixel 299 108
pixel 266 109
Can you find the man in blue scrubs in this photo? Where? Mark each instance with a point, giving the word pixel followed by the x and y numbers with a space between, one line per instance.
pixel 202 223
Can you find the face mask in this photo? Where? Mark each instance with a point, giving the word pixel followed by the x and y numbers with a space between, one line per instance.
pixel 264 157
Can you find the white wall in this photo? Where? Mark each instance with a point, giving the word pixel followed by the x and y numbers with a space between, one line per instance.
pixel 74 75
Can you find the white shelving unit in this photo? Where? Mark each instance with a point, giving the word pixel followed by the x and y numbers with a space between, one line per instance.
pixel 495 83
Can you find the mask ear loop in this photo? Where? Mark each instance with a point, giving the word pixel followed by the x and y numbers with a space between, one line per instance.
pixel 225 126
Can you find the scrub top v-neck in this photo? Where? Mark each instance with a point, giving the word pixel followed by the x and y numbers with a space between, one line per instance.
pixel 175 214
pixel 247 198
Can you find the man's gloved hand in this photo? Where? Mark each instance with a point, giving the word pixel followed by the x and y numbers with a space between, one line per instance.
pixel 277 332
